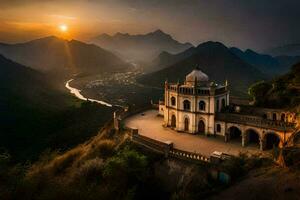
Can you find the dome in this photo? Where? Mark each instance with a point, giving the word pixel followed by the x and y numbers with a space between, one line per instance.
pixel 198 75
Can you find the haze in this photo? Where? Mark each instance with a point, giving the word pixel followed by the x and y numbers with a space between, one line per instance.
pixel 247 24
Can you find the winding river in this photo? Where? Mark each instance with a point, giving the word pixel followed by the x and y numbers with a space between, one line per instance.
pixel 77 93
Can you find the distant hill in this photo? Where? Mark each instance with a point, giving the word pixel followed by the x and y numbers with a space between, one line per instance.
pixel 266 63
pixel 20 84
pixel 214 59
pixel 58 55
pixel 165 59
pixel 36 116
pixel 285 50
pixel 140 47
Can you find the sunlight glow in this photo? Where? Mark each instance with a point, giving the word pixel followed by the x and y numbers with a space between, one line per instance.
pixel 63 28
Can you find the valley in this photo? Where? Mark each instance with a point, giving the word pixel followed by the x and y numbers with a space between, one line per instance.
pixel 118 89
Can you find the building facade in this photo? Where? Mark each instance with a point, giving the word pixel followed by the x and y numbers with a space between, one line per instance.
pixel 191 107
pixel 200 106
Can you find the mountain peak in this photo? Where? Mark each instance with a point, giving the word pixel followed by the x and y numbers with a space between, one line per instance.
pixel 159 31
pixel 212 44
pixel 47 39
pixel 118 34
pixel 141 47
pixel 50 37
pixel 104 35
pixel 250 51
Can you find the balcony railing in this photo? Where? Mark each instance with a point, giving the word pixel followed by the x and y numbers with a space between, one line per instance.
pixel 255 121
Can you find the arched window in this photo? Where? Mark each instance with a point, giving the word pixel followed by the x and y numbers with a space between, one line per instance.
pixel 173 121
pixel 282 117
pixel 186 124
pixel 218 105
pixel 201 126
pixel 274 117
pixel 218 128
pixel 223 104
pixel 186 105
pixel 173 101
pixel 201 105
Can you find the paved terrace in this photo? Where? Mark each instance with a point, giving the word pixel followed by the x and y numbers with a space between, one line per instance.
pixel 150 125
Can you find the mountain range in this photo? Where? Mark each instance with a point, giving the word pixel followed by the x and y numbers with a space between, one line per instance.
pixel 59 55
pixel 271 65
pixel 214 59
pixel 285 50
pixel 143 47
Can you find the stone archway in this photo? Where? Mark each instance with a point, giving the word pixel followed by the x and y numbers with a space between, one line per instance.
pixel 186 124
pixel 235 133
pixel 201 126
pixel 252 138
pixel 173 121
pixel 271 140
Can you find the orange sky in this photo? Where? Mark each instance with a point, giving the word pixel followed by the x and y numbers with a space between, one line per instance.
pixel 28 21
pixel 246 24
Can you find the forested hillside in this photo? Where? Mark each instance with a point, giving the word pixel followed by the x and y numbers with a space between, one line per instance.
pixel 36 116
pixel 281 92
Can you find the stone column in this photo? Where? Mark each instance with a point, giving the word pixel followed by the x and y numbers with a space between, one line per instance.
pixel 244 140
pixel 226 137
pixel 261 143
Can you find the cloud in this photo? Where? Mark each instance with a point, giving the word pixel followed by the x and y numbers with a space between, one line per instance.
pixel 63 17
pixel 249 24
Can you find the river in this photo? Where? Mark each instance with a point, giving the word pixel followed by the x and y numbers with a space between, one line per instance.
pixel 77 93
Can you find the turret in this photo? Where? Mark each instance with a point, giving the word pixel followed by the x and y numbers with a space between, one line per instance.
pixel 166 84
pixel 226 84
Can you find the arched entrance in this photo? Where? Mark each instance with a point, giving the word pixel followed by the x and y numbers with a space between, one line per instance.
pixel 272 140
pixel 201 126
pixel 186 124
pixel 252 137
pixel 235 133
pixel 173 121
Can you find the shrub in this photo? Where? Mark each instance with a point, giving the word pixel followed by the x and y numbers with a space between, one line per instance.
pixel 90 170
pixel 103 149
pixel 61 163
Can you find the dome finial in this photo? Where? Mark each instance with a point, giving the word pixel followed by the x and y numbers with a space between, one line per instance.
pixel 196 76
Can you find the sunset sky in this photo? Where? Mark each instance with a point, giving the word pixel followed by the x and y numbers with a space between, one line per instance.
pixel 246 24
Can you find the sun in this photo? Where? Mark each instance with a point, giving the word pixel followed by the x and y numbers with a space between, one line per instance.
pixel 63 28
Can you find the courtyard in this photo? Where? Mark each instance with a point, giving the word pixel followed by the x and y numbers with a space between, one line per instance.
pixel 149 124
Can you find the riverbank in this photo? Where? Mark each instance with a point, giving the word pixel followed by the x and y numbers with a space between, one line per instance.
pixel 77 93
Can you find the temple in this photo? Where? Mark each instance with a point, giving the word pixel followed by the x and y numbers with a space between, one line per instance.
pixel 201 106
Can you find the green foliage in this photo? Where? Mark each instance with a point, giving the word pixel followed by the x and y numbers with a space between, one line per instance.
pixel 127 167
pixel 104 149
pixel 280 92
pixel 259 89
pixel 90 171
pixel 238 166
pixel 77 175
pixel 291 157
pixel 4 159
pixel 62 129
pixel 235 166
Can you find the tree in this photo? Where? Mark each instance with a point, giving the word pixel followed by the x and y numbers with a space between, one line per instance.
pixel 258 92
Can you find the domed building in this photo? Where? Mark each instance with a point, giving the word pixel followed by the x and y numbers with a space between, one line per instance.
pixel 191 107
